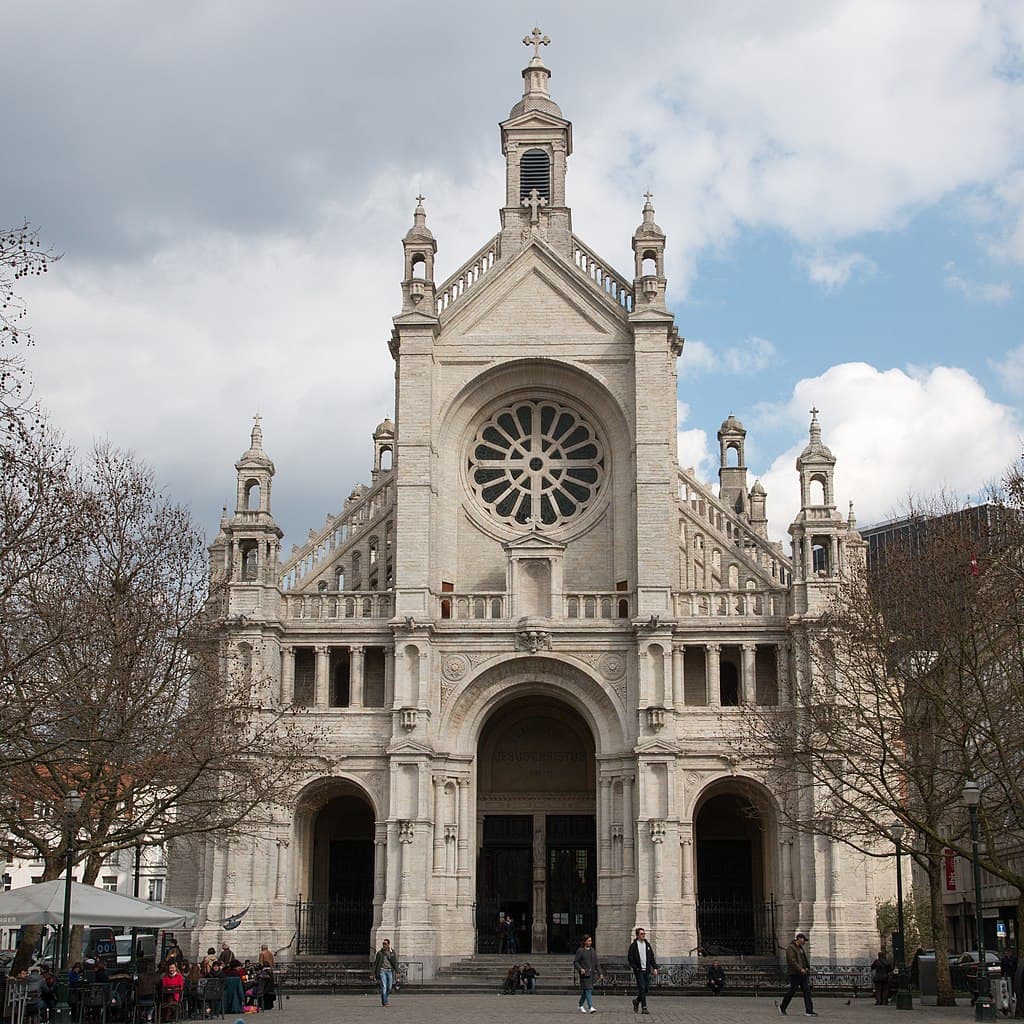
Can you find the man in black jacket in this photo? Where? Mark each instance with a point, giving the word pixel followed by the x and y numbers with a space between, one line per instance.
pixel 641 959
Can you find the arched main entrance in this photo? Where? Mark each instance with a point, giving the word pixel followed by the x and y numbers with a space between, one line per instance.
pixel 337 916
pixel 735 907
pixel 537 853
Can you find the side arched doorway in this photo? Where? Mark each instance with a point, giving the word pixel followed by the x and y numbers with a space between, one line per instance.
pixel 537 852
pixel 735 904
pixel 337 917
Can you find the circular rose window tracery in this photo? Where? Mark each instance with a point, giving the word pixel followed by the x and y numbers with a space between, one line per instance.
pixel 536 462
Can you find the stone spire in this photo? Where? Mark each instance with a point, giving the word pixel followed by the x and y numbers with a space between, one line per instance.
pixel 649 258
pixel 535 80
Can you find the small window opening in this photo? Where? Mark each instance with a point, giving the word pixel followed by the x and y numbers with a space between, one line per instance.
pixel 649 265
pixel 535 173
pixel 732 455
pixel 419 266
pixel 816 491
pixel 819 557
pixel 385 458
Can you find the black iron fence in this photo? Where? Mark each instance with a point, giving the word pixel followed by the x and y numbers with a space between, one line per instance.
pixel 338 928
pixel 736 928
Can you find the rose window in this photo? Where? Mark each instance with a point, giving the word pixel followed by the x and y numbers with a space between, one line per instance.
pixel 536 463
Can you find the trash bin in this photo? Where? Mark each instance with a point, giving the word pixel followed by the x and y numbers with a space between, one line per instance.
pixel 928 979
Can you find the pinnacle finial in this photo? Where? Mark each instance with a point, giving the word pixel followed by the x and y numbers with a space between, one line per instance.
pixel 257 432
pixel 852 518
pixel 815 429
pixel 536 39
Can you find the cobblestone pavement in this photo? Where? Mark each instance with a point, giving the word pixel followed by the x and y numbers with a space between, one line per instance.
pixel 410 1007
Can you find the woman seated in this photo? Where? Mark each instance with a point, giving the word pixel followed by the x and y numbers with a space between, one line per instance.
pixel 512 980
pixel 172 984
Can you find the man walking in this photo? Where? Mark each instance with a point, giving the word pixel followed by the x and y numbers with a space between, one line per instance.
pixel 799 968
pixel 641 959
pixel 385 966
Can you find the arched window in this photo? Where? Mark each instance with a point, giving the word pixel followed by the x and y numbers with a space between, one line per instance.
pixel 535 173
pixel 252 495
pixel 649 264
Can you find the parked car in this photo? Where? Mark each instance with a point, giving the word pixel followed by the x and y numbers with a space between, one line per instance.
pixel 963 968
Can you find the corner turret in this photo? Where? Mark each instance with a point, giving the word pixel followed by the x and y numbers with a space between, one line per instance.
pixel 649 258
pixel 253 535
pixel 825 546
pixel 732 479
pixel 420 249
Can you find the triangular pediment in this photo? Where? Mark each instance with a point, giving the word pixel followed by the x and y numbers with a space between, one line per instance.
pixel 533 542
pixel 535 296
pixel 657 748
pixel 410 747
pixel 534 119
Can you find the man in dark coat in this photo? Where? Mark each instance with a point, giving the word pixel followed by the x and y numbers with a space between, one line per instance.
pixel 799 968
pixel 641 958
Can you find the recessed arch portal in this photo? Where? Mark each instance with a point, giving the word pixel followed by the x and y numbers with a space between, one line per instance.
pixel 733 823
pixel 335 825
pixel 537 851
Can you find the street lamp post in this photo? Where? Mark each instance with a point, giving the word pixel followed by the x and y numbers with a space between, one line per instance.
pixel 984 1007
pixel 72 805
pixel 904 998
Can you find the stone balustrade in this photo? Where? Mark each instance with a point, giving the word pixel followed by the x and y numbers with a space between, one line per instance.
pixel 592 266
pixel 467 275
pixel 734 603
pixel 332 606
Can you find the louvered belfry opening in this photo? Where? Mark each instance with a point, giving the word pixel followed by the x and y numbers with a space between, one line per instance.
pixel 535 173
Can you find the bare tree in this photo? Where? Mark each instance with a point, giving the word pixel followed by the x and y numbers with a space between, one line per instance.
pixel 912 683
pixel 116 682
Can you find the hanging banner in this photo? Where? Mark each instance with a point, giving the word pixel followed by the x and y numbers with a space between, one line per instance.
pixel 949 863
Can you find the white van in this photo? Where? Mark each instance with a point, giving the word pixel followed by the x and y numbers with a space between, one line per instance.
pixel 146 945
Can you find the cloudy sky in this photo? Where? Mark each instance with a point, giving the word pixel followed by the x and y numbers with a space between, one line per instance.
pixel 842 185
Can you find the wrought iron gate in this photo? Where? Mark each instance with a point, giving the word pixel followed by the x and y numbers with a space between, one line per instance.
pixel 736 927
pixel 335 928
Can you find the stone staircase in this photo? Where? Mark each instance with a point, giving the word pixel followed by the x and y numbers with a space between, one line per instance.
pixel 486 972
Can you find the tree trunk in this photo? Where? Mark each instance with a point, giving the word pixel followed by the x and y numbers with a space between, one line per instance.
pixel 933 868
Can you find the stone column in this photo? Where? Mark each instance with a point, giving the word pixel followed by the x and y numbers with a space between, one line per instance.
pixel 678 676
pixel 714 675
pixel 355 676
pixel 749 679
pixel 787 868
pixel 782 674
pixel 628 824
pixel 464 829
pixel 389 678
pixel 287 674
pixel 658 842
pixel 380 866
pixel 439 833
pixel 686 853
pixel 279 869
pixel 321 697
pixel 604 833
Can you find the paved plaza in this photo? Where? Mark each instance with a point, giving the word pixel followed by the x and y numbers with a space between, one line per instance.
pixel 409 1006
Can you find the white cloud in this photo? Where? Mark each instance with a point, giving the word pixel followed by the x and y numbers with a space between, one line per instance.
pixel 694 453
pixel 832 271
pixel 750 356
pixel 1011 370
pixel 973 291
pixel 895 434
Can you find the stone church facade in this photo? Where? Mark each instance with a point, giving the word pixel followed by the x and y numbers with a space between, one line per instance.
pixel 531 638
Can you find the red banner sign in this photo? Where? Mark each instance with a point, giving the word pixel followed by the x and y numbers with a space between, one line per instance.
pixel 949 858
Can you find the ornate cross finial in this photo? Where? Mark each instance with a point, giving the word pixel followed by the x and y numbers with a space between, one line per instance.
pixel 648 195
pixel 814 413
pixel 536 39
pixel 420 198
pixel 257 418
pixel 534 201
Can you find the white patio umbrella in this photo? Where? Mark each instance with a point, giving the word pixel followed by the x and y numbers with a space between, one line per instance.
pixel 44 904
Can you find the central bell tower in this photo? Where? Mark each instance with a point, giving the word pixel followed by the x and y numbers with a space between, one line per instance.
pixel 535 140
